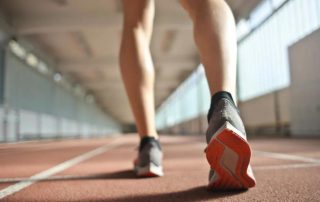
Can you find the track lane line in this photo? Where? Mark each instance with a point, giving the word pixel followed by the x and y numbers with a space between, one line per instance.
pixel 286 166
pixel 286 156
pixel 56 169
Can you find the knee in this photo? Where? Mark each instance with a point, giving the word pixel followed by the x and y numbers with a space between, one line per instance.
pixel 192 6
pixel 195 7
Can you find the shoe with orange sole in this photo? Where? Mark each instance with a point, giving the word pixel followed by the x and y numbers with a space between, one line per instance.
pixel 228 152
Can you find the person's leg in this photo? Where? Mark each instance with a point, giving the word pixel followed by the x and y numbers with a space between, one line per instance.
pixel 138 75
pixel 215 37
pixel 228 151
pixel 136 63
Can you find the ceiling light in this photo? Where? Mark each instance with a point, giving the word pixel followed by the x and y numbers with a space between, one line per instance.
pixel 17 49
pixel 57 77
pixel 32 60
pixel 43 68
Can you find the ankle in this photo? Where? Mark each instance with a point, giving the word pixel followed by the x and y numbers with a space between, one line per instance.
pixel 147 140
pixel 154 135
pixel 216 98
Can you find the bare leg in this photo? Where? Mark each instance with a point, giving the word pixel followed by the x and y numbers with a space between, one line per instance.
pixel 136 63
pixel 215 37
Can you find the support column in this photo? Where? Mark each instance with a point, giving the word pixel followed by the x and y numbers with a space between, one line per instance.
pixel 2 72
pixel 3 120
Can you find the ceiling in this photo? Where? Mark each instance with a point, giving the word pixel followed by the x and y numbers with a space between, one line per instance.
pixel 83 37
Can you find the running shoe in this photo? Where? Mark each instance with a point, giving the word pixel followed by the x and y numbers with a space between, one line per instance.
pixel 149 161
pixel 228 151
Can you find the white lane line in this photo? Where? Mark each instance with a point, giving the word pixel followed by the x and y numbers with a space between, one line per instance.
pixel 52 178
pixel 287 166
pixel 286 156
pixel 56 169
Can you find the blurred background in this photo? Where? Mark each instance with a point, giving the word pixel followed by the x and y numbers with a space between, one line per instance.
pixel 59 74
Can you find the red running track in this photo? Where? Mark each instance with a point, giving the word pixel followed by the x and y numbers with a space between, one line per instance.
pixel 285 169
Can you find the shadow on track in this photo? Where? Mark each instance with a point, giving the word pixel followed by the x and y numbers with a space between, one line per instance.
pixel 124 174
pixel 191 195
pixel 195 194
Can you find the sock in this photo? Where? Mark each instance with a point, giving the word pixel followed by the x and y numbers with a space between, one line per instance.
pixel 146 140
pixel 216 98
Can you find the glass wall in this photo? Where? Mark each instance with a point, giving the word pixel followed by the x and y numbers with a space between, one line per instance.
pixel 263 54
pixel 40 103
pixel 190 99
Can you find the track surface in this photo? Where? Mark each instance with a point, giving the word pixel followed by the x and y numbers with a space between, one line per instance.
pixel 285 169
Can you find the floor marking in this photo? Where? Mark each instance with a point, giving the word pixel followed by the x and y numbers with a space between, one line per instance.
pixel 287 156
pixel 51 178
pixel 286 166
pixel 56 169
